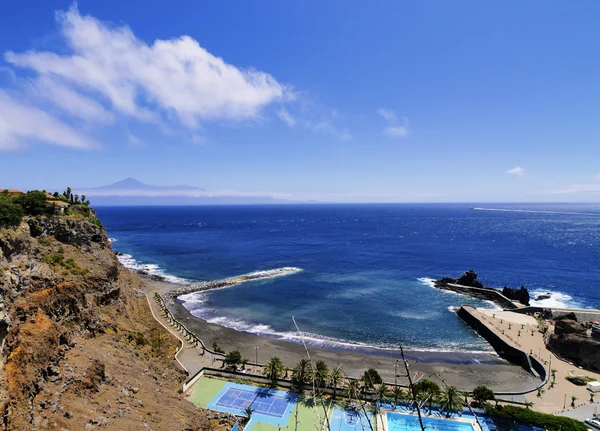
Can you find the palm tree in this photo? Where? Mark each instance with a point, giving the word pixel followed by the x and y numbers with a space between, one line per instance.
pixel 451 400
pixel 427 390
pixel 381 392
pixel 248 413
pixel 336 378
pixel 528 404
pixel 301 374
pixel 591 398
pixel 553 371
pixel 244 362
pixel 321 373
pixel 353 389
pixel 573 399
pixel 274 370
pixel 540 392
pixel 398 394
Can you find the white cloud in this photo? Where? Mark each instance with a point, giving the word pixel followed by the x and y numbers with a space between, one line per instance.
pixel 286 117
pixel 22 122
pixel 174 78
pixel 70 101
pixel 517 170
pixel 394 130
pixel 387 114
pixel 325 126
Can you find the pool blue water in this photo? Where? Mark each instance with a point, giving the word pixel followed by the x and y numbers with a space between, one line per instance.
pixel 349 420
pixel 405 422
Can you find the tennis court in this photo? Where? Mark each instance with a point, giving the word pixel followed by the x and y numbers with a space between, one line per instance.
pixel 262 401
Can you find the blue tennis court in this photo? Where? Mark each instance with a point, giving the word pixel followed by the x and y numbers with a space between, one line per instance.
pixel 260 400
pixel 269 405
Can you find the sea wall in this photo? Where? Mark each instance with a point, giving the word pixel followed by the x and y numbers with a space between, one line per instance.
pixel 488 294
pixel 502 347
pixel 554 313
pixel 232 281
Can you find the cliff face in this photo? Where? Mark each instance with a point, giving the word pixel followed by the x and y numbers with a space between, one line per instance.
pixel 80 350
pixel 570 340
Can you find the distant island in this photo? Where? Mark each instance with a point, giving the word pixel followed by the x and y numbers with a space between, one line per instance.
pixel 132 192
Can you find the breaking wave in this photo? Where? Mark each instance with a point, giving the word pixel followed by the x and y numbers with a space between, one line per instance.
pixel 150 268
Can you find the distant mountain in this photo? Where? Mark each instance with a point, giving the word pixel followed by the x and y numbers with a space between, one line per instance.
pixel 131 184
pixel 134 192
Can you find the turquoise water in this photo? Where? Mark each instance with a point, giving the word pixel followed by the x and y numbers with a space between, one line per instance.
pixel 404 422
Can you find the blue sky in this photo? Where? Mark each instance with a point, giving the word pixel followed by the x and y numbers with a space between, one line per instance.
pixel 385 101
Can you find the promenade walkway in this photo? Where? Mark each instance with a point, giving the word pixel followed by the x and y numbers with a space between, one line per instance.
pixel 524 333
pixel 190 357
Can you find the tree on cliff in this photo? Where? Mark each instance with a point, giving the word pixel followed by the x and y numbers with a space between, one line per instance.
pixel 10 214
pixel 33 202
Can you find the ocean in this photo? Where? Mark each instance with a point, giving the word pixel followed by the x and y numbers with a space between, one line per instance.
pixel 367 270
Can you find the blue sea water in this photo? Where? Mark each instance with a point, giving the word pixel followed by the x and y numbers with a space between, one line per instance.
pixel 366 269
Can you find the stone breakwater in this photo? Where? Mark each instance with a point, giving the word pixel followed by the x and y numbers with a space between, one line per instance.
pixel 232 281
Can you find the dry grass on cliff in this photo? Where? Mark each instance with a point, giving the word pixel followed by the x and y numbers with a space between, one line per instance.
pixel 86 353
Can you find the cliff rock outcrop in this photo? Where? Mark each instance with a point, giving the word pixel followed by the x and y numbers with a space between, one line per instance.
pixel 79 349
pixel 521 295
pixel 574 341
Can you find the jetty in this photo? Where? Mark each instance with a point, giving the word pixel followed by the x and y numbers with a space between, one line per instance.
pixel 231 281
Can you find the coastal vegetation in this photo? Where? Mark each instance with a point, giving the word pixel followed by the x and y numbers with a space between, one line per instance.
pixel 15 205
pixel 531 417
pixel 274 370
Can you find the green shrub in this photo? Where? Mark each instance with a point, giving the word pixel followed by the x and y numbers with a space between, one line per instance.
pixel 10 214
pixel 549 422
pixel 33 202
pixel 580 380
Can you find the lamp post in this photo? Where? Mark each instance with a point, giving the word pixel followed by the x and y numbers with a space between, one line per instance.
pixel 565 403
pixel 396 373
pixel 256 356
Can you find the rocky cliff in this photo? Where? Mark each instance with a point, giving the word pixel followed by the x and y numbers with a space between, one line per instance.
pixel 80 351
pixel 574 341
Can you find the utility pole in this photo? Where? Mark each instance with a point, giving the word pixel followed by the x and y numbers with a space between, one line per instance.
pixel 412 389
pixel 256 357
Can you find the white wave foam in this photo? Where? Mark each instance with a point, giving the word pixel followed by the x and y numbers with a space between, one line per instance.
pixel 453 309
pixel 152 269
pixel 556 300
pixel 428 281
pixel 111 240
pixel 535 211
pixel 196 304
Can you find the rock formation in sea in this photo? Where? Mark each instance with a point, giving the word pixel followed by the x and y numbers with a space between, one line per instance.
pixel 469 278
pixel 521 295
pixel 79 348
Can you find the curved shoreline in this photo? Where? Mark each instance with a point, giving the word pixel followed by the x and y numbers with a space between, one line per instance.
pixel 457 370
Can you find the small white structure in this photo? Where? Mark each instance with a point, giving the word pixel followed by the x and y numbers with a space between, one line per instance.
pixel 593 386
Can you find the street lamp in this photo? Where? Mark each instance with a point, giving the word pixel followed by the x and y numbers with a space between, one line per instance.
pixel 396 373
pixel 256 357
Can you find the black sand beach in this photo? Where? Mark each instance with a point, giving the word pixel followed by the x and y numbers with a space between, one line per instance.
pixel 463 370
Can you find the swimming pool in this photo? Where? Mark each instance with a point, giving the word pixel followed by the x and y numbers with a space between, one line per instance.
pixel 349 420
pixel 405 422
